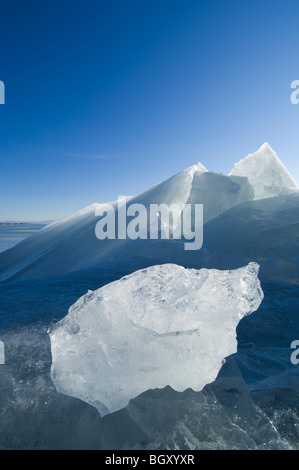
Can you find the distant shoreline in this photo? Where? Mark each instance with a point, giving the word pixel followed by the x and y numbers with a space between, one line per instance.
pixel 16 223
pixel 26 223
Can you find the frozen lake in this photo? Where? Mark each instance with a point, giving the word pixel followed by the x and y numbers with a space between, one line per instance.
pixel 11 234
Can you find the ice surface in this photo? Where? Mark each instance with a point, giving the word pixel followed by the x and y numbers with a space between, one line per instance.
pixel 236 411
pixel 266 173
pixel 165 325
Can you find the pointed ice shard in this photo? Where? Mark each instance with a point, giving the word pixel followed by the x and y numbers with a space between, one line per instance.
pixel 201 167
pixel 266 173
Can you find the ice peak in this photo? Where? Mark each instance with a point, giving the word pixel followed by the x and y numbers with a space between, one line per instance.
pixel 266 173
pixel 198 167
pixel 266 146
pixel 201 167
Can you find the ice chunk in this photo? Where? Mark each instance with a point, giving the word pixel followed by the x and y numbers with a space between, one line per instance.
pixel 165 325
pixel 266 173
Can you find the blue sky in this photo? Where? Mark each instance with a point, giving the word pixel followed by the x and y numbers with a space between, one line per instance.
pixel 105 98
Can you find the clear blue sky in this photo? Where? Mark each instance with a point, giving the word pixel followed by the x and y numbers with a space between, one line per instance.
pixel 105 98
